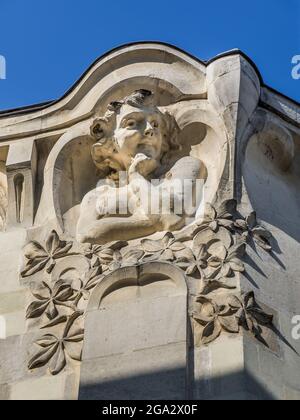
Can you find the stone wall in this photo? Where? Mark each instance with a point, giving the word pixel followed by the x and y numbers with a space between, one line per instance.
pixel 191 304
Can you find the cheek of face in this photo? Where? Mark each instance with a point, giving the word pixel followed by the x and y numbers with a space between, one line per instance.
pixel 127 141
pixel 151 147
pixel 131 142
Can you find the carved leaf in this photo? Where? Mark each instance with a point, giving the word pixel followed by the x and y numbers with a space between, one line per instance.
pixel 167 255
pixel 192 269
pixel 214 226
pixel 42 357
pixel 214 262
pixel 209 212
pixel 165 246
pixel 62 292
pixel 237 265
pixel 167 240
pixel 219 252
pixel 261 317
pixel 211 332
pixel 151 246
pixel 210 238
pixel 202 319
pixel 52 243
pixel 36 309
pixel 55 247
pixel 106 256
pixel 241 224
pixel 39 257
pixel 177 247
pixel 46 341
pixel 251 220
pixel 34 266
pixel 227 209
pixel 57 321
pixel 74 349
pixel 262 237
pixel 234 302
pixel 51 311
pixel 94 277
pixel 226 223
pixel 212 285
pixel 214 219
pixel 229 324
pixel 185 258
pixel 35 251
pixel 53 348
pixel 132 255
pixel 58 361
pixel 237 251
pixel 47 299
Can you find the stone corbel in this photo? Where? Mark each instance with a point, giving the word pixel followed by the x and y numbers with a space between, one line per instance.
pixel 21 167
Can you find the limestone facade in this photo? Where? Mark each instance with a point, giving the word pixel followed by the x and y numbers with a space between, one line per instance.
pixel 150 234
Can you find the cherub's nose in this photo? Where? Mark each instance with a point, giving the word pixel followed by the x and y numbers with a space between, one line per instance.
pixel 149 130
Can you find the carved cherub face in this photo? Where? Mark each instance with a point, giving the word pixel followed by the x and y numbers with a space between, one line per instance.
pixel 130 127
pixel 138 130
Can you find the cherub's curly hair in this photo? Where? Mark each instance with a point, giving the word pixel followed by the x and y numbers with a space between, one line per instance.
pixel 103 131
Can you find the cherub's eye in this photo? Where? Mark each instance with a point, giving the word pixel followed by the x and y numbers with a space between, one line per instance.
pixel 155 124
pixel 130 124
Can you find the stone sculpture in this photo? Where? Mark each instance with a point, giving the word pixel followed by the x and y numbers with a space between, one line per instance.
pixel 136 138
pixel 102 297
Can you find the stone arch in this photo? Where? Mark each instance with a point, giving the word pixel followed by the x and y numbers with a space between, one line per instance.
pixel 51 209
pixel 136 323
pixel 176 79
pixel 269 171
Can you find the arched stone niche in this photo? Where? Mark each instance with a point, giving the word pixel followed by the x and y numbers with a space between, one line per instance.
pixel 70 171
pixel 271 175
pixel 135 344
pixel 179 87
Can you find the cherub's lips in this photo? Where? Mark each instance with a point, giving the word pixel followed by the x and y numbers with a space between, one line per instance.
pixel 149 141
pixel 146 141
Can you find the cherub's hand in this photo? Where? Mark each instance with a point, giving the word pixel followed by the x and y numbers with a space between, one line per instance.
pixel 142 164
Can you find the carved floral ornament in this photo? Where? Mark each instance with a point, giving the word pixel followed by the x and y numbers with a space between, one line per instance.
pixel 211 252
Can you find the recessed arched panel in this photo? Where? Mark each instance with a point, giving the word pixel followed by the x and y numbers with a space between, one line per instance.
pixel 136 329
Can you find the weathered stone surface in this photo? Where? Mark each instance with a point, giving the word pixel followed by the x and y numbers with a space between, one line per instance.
pixel 103 302
pixel 154 374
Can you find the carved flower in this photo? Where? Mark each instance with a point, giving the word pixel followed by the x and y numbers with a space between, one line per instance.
pixel 248 314
pixel 194 262
pixel 113 260
pixel 92 252
pixel 55 349
pixel 253 231
pixel 224 263
pixel 39 257
pixel 213 219
pixel 162 249
pixel 82 285
pixel 214 318
pixel 48 299
pixel 210 285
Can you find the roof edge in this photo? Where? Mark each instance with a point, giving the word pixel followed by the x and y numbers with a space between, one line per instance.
pixel 44 105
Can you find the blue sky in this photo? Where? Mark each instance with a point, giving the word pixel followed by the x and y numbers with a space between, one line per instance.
pixel 48 44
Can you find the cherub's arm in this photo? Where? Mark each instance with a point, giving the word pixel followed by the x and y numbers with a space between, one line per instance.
pixel 93 229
